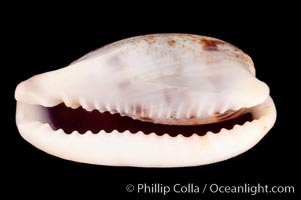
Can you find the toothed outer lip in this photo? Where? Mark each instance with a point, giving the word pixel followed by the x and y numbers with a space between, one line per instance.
pixel 128 149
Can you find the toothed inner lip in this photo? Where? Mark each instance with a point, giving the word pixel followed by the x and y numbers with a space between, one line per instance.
pixel 81 120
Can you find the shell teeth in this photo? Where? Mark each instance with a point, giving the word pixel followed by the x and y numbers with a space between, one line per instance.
pixel 97 106
pixel 60 131
pixel 188 112
pixel 118 108
pixel 69 103
pixel 160 111
pixel 223 109
pixel 211 110
pixel 43 127
pixel 85 104
pixel 110 108
pixel 100 107
pixel 74 106
pixel 199 111
pixel 134 110
pixel 66 100
pixel 126 109
pixel 168 113
pixel 179 111
pixel 151 110
pixel 89 109
pixel 142 111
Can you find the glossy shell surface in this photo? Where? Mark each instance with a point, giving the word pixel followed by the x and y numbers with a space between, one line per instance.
pixel 171 79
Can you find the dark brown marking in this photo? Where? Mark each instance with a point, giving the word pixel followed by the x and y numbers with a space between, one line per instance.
pixel 151 39
pixel 210 44
pixel 192 116
pixel 81 120
pixel 171 42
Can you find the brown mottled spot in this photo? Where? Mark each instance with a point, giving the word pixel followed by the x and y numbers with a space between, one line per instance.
pixel 181 35
pixel 171 42
pixel 192 116
pixel 151 39
pixel 210 44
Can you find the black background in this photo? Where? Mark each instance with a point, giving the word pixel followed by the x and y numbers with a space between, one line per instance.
pixel 42 42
